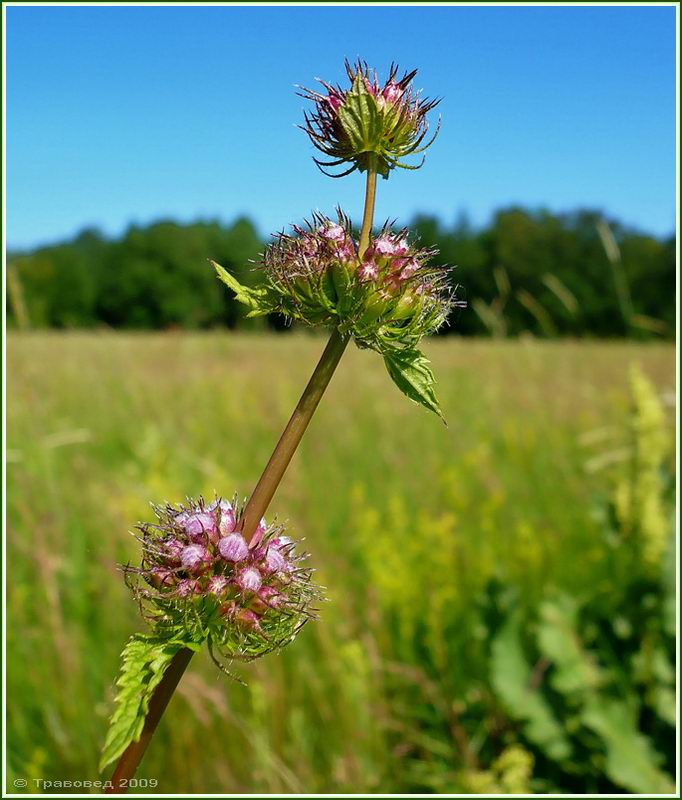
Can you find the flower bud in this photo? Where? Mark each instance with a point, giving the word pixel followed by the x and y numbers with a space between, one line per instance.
pixel 274 561
pixel 268 597
pixel 199 525
pixel 194 557
pixel 259 533
pixel 226 517
pixel 161 577
pixel 368 126
pixel 247 619
pixel 249 580
pixel 233 547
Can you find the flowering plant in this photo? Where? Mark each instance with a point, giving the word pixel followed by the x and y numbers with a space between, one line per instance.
pixel 216 572
pixel 200 581
pixel 379 290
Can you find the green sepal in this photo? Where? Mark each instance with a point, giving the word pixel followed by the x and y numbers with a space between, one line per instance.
pixel 411 373
pixel 255 298
pixel 145 659
pixel 343 284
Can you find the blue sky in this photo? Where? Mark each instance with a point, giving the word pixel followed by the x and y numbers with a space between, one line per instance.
pixel 128 114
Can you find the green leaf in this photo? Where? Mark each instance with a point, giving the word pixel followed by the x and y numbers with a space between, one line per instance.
pixel 144 662
pixel 512 678
pixel 411 373
pixel 631 761
pixel 576 671
pixel 254 298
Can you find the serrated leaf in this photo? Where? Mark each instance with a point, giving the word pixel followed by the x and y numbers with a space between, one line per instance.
pixel 144 663
pixel 254 298
pixel 411 373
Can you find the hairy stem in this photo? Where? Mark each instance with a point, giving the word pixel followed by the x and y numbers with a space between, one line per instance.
pixel 256 506
pixel 130 760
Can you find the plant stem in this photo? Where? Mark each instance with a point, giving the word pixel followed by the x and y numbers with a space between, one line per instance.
pixel 293 433
pixel 132 755
pixel 368 216
pixel 256 506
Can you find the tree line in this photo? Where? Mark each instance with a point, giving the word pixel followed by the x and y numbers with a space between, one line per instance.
pixel 526 272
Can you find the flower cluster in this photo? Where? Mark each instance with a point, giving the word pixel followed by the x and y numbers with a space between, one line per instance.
pixel 198 573
pixel 368 125
pixel 386 300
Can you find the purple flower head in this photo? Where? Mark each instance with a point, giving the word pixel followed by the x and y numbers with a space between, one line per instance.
pixel 249 580
pixel 195 557
pixel 408 270
pixel 233 547
pixel 218 586
pixel 368 125
pixel 385 245
pixel 368 271
pixel 335 100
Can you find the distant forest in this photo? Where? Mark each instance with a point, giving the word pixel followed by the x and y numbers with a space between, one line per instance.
pixel 527 272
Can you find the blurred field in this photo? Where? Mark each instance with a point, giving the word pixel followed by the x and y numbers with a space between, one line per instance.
pixel 422 535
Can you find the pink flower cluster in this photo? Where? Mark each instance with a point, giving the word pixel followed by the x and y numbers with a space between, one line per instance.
pixel 390 261
pixel 388 95
pixel 198 551
pixel 310 250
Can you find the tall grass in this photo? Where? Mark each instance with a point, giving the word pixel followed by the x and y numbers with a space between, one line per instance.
pixel 408 525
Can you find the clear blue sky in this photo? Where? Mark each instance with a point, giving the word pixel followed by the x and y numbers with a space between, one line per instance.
pixel 119 115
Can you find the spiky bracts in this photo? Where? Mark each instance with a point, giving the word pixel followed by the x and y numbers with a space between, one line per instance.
pixel 368 124
pixel 199 579
pixel 387 300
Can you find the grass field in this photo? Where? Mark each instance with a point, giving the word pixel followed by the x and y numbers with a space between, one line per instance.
pixel 409 524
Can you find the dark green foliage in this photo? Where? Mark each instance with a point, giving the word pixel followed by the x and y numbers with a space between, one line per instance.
pixel 153 277
pixel 550 274
pixel 528 271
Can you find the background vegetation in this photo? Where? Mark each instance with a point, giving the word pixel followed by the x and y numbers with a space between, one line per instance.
pixel 501 592
pixel 537 272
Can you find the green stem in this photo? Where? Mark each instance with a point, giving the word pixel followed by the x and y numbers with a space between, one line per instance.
pixel 293 433
pixel 368 216
pixel 296 427
pixel 255 508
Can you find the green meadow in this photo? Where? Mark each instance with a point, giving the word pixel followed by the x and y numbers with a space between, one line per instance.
pixel 498 613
